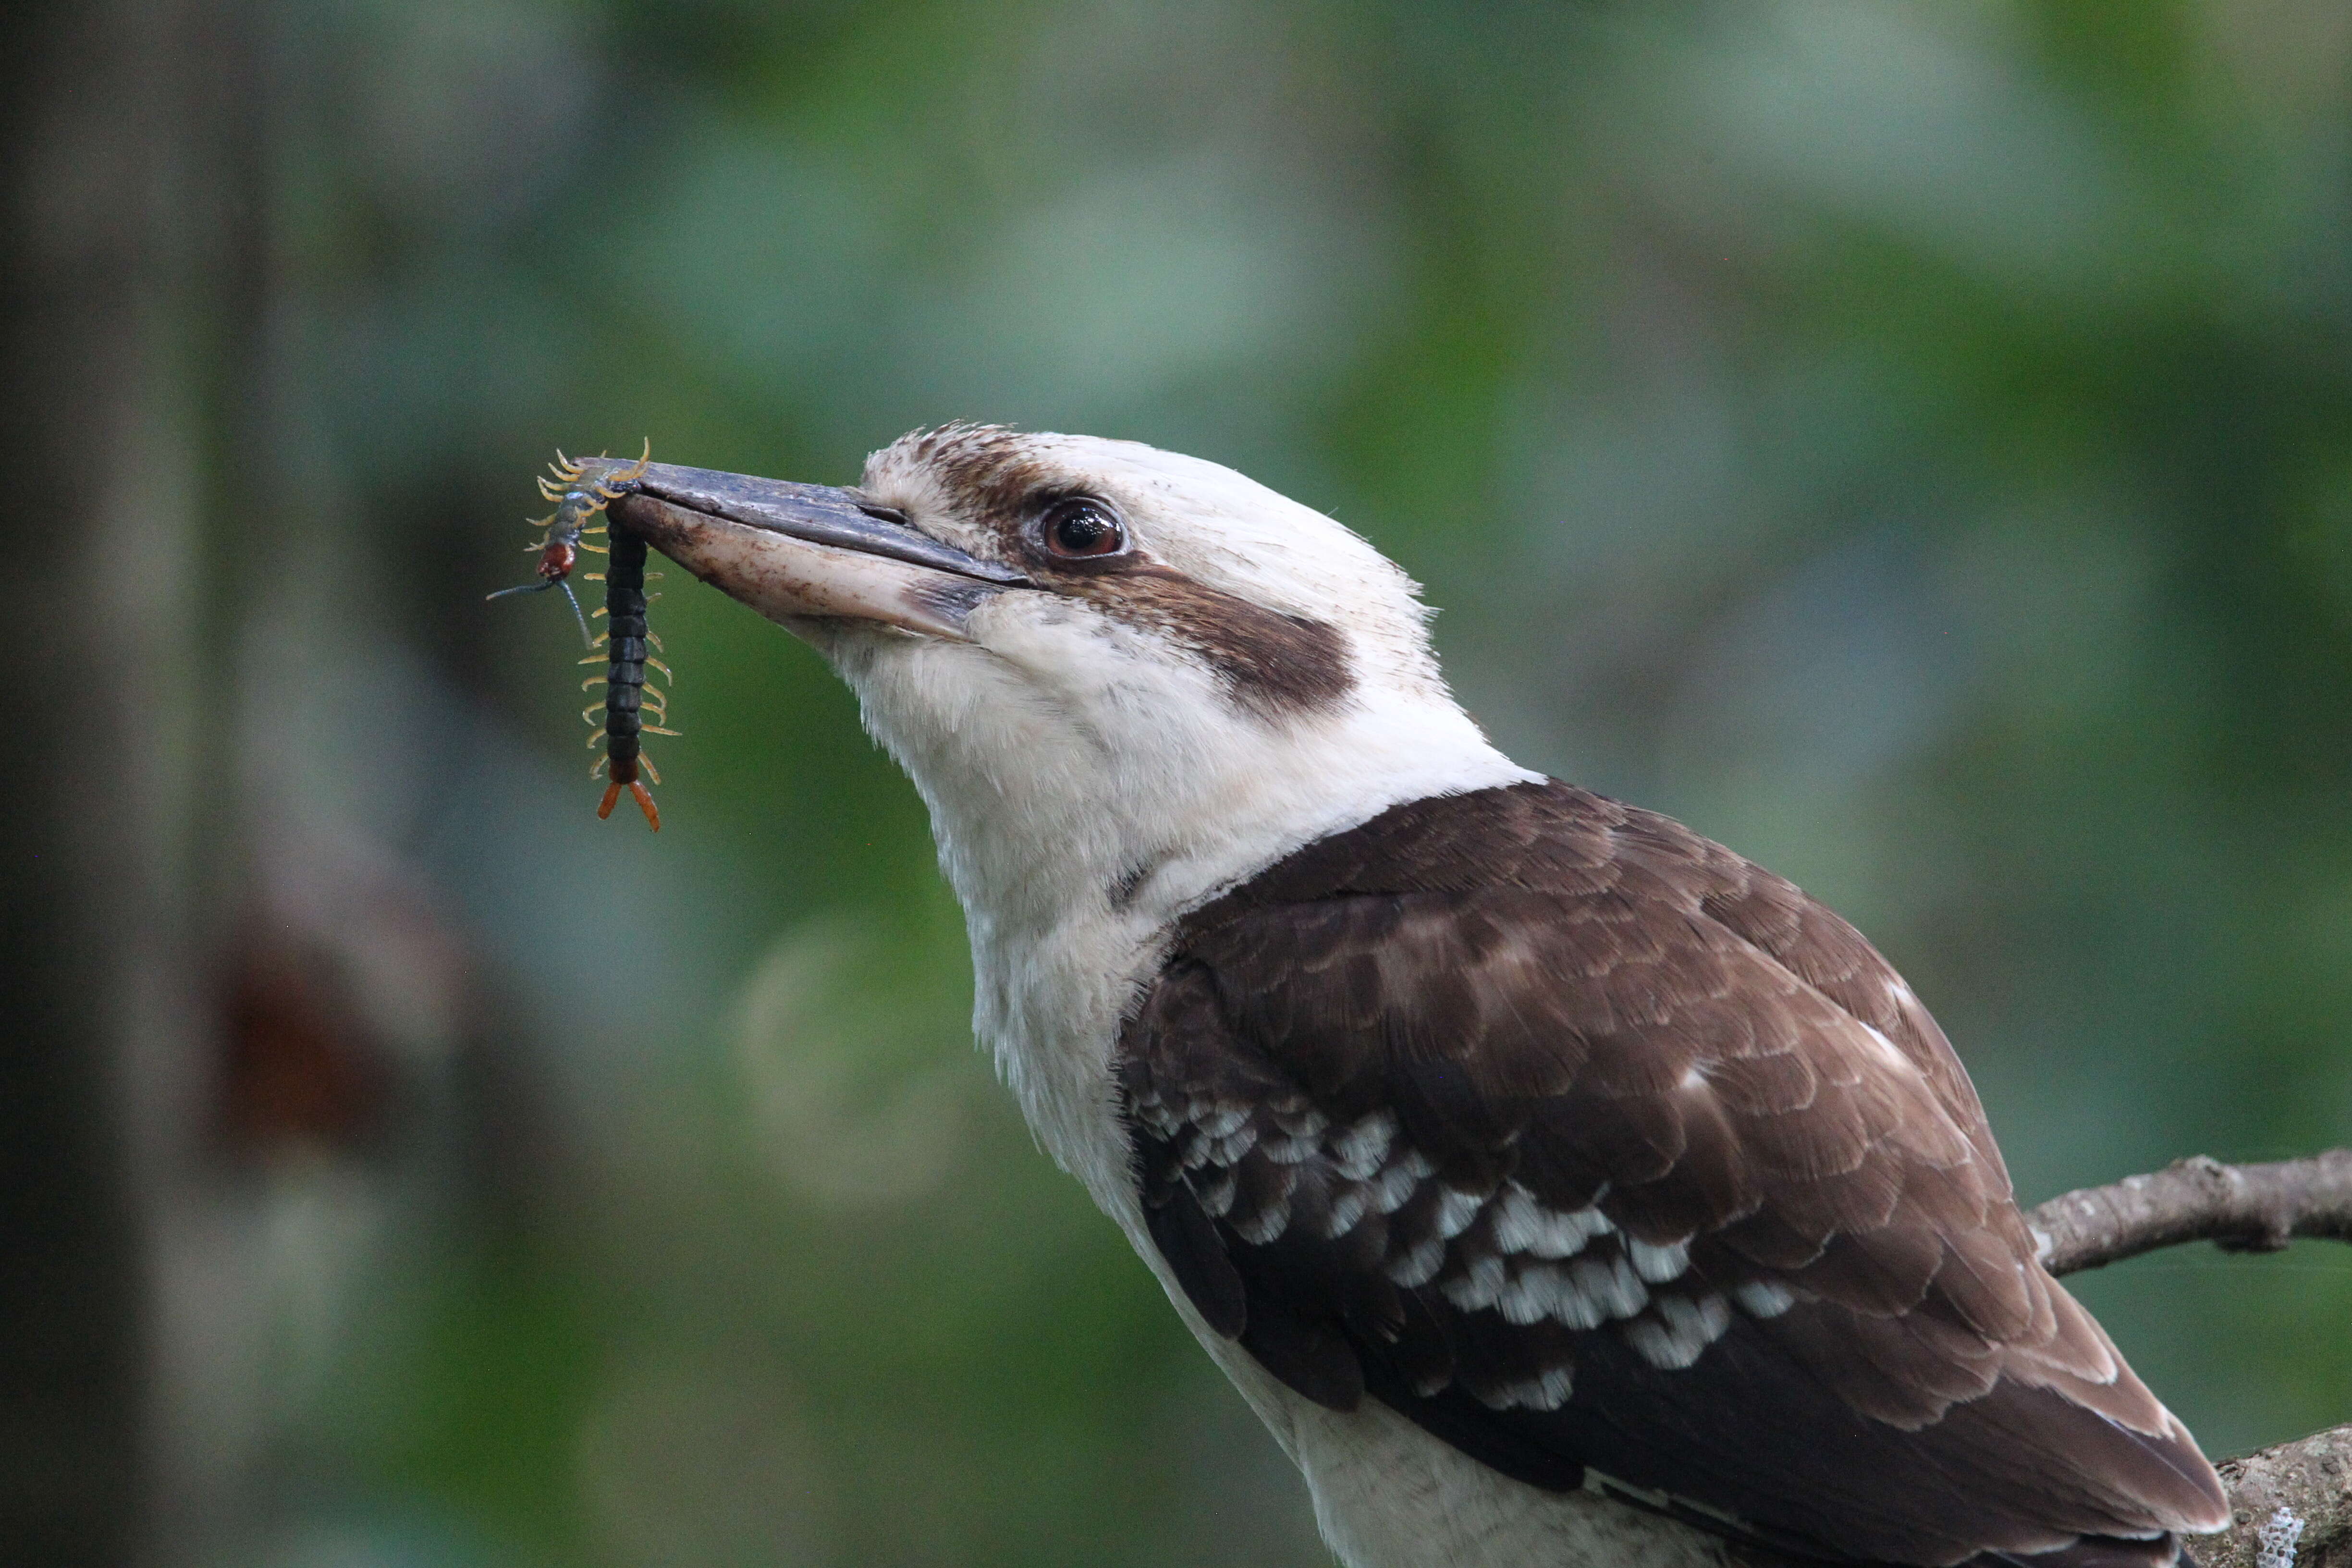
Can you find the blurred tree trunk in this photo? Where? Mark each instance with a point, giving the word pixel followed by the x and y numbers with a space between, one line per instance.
pixel 114 275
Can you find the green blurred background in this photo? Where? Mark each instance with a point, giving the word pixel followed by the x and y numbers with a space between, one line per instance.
pixel 1912 444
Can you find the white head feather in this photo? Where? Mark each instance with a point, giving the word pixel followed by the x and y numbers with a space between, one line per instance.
pixel 1080 749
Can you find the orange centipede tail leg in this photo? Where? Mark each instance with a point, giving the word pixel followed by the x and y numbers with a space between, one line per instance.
pixel 646 805
pixel 612 794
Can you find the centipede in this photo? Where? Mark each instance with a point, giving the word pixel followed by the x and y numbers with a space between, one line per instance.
pixel 583 491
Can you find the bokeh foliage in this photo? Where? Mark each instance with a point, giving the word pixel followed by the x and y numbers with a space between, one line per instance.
pixel 1912 444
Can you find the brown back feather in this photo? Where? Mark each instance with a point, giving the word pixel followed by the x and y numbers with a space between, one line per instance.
pixel 1586 1145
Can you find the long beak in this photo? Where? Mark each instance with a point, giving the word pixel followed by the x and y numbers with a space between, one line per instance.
pixel 795 551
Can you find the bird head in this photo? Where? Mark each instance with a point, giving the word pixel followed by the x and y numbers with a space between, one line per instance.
pixel 1132 657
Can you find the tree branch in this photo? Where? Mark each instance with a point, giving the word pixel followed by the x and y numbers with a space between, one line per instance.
pixel 2291 1505
pixel 2242 1208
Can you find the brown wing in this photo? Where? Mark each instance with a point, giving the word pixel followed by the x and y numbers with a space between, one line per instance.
pixel 1588 1145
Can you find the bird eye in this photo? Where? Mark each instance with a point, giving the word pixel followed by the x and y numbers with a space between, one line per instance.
pixel 1079 528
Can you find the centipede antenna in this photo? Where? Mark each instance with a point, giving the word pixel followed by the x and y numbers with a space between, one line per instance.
pixel 573 600
pixel 519 588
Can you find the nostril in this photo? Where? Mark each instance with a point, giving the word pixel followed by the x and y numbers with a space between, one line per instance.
pixel 884 514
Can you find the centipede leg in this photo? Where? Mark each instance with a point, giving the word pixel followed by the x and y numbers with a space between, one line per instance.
pixel 624 690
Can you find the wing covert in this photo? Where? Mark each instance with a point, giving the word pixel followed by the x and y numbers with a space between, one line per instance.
pixel 1587 1145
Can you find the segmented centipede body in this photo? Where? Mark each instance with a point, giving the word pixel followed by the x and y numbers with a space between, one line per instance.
pixel 582 490
pixel 627 697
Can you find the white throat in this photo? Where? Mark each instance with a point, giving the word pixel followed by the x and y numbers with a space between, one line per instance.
pixel 1073 842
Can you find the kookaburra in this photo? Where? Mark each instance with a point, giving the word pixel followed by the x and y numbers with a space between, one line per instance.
pixel 1558 1187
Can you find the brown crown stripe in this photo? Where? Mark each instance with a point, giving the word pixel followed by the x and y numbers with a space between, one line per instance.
pixel 985 466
